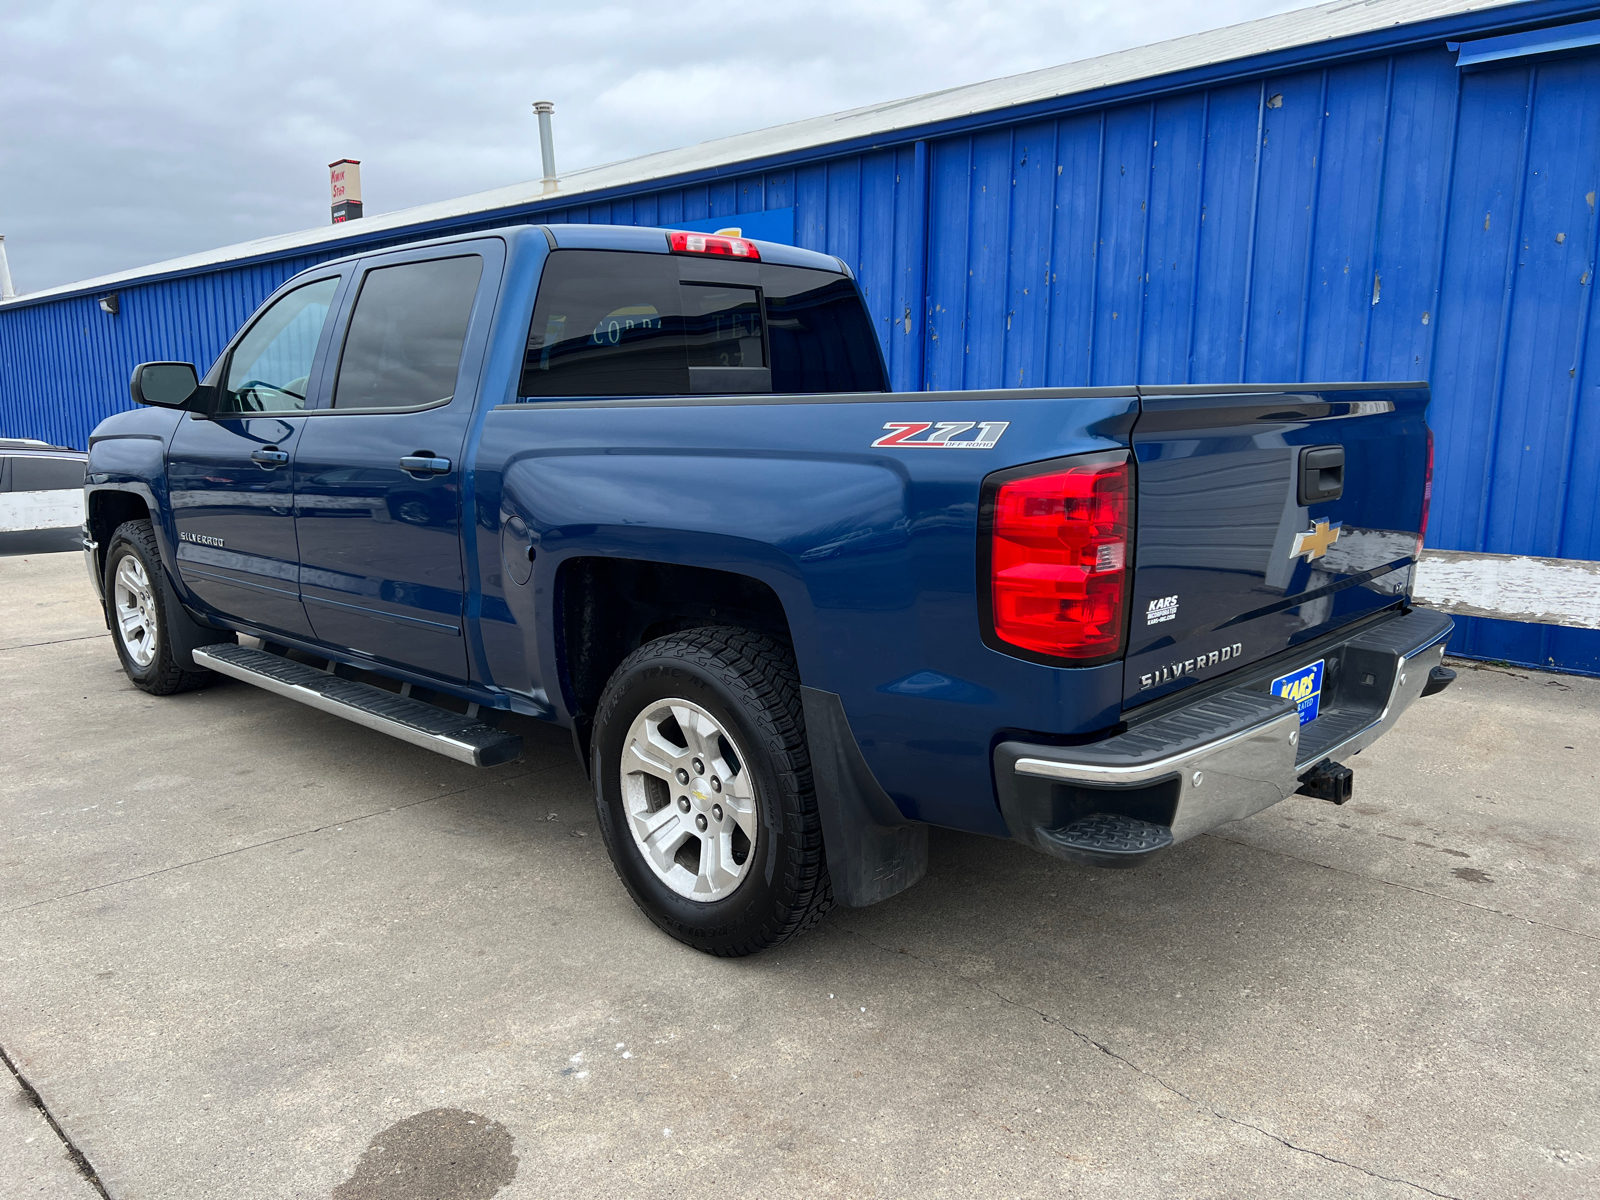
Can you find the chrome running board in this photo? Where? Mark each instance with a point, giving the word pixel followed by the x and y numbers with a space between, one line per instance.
pixel 462 738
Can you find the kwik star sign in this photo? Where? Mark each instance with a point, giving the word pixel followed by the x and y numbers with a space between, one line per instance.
pixel 344 182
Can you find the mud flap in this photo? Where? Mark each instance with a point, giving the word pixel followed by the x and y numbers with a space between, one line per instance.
pixel 873 851
pixel 185 635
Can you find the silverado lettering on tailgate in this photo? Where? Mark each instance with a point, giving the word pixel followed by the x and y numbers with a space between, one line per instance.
pixel 1189 666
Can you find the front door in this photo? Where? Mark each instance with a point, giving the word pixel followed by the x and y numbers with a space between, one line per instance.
pixel 230 474
pixel 378 472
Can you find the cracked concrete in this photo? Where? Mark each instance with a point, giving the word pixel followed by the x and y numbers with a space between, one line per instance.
pixel 35 1163
pixel 242 943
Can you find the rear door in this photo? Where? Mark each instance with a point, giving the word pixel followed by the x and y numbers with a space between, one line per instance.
pixel 379 468
pixel 230 473
pixel 1245 546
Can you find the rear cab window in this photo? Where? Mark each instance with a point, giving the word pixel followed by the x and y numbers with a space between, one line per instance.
pixel 624 323
pixel 402 349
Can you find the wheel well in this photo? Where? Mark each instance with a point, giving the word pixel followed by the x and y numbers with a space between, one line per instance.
pixel 611 606
pixel 107 510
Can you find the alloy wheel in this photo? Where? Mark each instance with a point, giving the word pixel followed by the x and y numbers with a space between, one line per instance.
pixel 689 799
pixel 135 611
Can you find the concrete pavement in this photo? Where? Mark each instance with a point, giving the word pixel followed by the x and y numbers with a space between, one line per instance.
pixel 249 949
pixel 34 1162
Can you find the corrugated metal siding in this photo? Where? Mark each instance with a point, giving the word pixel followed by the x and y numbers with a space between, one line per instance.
pixel 1388 218
pixel 1154 243
pixel 64 366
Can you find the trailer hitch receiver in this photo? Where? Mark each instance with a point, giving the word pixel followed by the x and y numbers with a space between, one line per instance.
pixel 1329 781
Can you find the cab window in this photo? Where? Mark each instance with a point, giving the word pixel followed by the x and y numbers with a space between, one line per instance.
pixel 606 324
pixel 820 334
pixel 624 323
pixel 403 348
pixel 271 365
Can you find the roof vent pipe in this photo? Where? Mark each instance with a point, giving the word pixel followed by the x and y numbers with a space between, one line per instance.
pixel 7 292
pixel 547 143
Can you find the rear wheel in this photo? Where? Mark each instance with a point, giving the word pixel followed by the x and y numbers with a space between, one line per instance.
pixel 703 785
pixel 136 609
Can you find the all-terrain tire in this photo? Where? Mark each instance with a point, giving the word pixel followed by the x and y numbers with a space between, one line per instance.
pixel 748 684
pixel 162 674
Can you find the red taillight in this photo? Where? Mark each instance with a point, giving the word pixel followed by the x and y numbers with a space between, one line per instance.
pixel 713 243
pixel 1059 561
pixel 1427 498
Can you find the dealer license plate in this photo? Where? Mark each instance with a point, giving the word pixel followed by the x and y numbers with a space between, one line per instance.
pixel 1304 687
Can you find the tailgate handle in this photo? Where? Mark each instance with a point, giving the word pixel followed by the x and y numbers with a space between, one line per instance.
pixel 1321 474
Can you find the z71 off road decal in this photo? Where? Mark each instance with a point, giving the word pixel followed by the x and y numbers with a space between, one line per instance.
pixel 946 435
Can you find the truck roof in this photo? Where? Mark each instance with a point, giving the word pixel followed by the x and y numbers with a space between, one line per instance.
pixel 637 238
pixel 653 240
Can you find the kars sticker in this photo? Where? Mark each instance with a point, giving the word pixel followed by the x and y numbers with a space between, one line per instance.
pixel 1161 610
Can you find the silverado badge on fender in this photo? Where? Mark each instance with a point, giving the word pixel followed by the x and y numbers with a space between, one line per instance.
pixel 1315 542
pixel 946 435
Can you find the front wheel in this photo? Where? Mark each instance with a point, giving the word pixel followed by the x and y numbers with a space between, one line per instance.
pixel 136 609
pixel 703 785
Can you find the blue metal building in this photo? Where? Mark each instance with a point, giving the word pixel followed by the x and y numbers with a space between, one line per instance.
pixel 1396 190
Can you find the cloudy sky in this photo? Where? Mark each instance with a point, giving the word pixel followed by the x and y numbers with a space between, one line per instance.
pixel 134 131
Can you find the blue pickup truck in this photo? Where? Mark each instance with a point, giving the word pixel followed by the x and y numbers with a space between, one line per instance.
pixel 651 487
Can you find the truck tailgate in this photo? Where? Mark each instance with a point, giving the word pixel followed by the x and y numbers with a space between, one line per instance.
pixel 1237 556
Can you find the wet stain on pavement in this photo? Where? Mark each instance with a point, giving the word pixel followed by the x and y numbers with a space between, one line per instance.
pixel 441 1154
pixel 1472 875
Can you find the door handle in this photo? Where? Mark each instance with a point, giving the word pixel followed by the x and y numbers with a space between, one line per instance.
pixel 425 464
pixel 269 457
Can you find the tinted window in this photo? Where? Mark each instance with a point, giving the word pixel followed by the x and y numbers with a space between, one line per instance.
pixel 722 326
pixel 403 348
pixel 606 324
pixel 46 474
pixel 616 323
pixel 819 333
pixel 272 363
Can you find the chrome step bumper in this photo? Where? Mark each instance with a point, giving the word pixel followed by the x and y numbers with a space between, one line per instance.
pixel 1218 760
pixel 462 738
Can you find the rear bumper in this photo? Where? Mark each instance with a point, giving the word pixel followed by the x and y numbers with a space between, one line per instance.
pixel 1188 770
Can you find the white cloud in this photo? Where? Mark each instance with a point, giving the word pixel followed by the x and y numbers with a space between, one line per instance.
pixel 136 132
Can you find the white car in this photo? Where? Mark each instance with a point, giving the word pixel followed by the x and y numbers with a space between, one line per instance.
pixel 41 497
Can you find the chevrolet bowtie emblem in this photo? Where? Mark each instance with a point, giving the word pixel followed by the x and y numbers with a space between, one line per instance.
pixel 1314 542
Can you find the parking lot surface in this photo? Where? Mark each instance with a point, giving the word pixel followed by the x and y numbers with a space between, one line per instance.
pixel 248 949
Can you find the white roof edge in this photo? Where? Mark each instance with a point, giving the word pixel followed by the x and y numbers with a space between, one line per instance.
pixel 1299 27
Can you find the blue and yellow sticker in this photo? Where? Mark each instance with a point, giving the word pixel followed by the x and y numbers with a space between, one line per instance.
pixel 1304 687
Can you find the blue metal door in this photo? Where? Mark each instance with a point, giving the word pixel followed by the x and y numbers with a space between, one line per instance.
pixel 230 473
pixel 233 505
pixel 379 468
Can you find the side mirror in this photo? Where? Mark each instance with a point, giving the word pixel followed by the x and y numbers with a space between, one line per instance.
pixel 163 384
